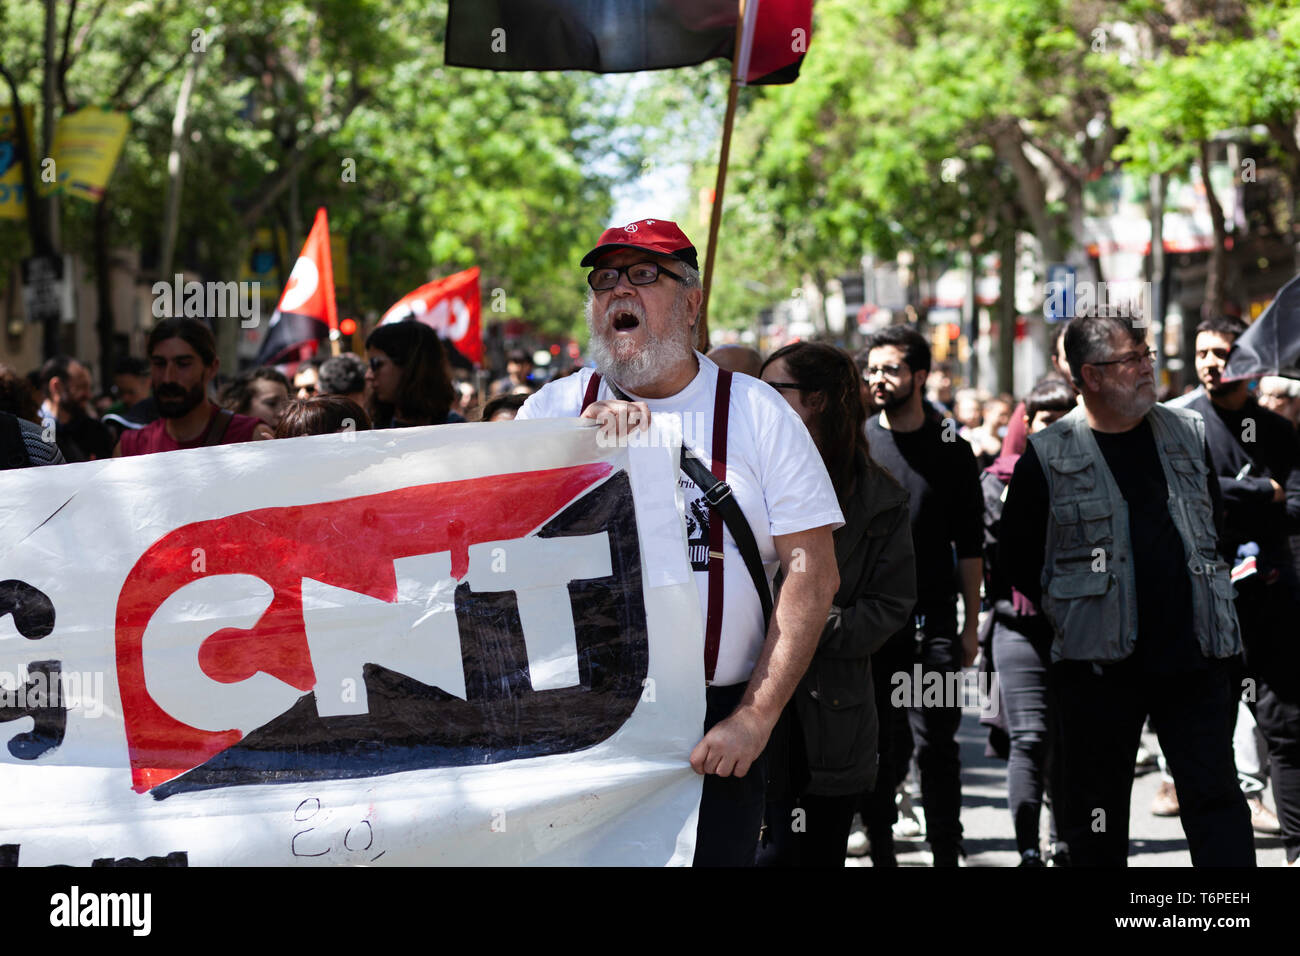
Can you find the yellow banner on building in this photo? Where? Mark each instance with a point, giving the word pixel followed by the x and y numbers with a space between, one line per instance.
pixel 13 201
pixel 87 144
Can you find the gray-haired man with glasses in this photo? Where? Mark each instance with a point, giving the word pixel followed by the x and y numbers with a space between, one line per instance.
pixel 1111 527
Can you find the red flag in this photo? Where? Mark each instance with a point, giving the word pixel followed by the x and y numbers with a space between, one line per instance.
pixel 451 306
pixel 774 40
pixel 307 311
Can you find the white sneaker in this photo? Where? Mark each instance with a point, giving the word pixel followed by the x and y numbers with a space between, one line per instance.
pixel 911 823
pixel 1146 760
pixel 858 844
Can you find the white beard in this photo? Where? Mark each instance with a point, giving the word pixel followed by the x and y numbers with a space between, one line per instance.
pixel 633 367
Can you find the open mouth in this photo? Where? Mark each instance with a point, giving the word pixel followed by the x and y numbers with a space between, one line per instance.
pixel 625 322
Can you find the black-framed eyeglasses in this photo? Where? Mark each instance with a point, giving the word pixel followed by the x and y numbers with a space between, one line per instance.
pixel 1132 360
pixel 638 273
pixel 794 385
pixel 888 371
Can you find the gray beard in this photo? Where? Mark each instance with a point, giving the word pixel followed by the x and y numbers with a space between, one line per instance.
pixel 635 369
pixel 1130 404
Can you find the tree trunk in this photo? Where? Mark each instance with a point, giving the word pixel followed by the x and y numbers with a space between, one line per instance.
pixel 971 318
pixel 1217 273
pixel 1155 301
pixel 104 323
pixel 1007 304
pixel 49 97
pixel 175 168
pixel 1031 192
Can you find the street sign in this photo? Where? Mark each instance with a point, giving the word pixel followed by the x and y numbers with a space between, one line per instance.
pixel 1058 303
pixel 47 289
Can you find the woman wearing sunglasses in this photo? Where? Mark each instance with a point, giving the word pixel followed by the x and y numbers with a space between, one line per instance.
pixel 831 720
pixel 408 380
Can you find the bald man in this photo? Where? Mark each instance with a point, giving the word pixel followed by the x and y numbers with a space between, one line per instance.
pixel 737 358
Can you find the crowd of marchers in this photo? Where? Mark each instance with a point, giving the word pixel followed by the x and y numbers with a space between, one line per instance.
pixel 1117 563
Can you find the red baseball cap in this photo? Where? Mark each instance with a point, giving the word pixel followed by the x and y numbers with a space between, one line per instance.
pixel 649 235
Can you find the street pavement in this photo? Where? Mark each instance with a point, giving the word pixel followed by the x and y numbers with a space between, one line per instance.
pixel 990 837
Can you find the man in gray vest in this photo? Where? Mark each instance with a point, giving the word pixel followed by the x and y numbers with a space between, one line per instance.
pixel 1110 527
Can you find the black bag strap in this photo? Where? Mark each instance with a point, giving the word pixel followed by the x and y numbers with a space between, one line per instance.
pixel 13 450
pixel 718 495
pixel 217 430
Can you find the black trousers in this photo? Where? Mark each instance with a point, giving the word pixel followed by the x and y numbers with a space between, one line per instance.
pixel 808 831
pixel 1268 615
pixel 1101 717
pixel 731 808
pixel 932 730
pixel 1022 655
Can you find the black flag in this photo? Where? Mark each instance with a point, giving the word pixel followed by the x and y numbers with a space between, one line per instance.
pixel 1271 346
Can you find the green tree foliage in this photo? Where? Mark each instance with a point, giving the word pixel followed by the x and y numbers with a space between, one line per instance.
pixel 343 103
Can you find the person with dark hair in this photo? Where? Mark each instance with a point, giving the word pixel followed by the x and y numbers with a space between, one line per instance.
pixel 1256 456
pixel 940 392
pixel 17 396
pixel 66 385
pixel 22 440
pixel 130 382
pixel 183 361
pixel 1021 644
pixel 503 408
pixel 831 722
pixel 259 392
pixel 938 470
pixel 1109 528
pixel 306 378
pixel 321 415
pixel 408 377
pixel 344 375
pixel 519 373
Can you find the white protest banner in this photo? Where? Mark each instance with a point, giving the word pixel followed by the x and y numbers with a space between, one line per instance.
pixel 469 644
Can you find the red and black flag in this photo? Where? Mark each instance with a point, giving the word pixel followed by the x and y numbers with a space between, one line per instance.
pixel 307 310
pixel 621 36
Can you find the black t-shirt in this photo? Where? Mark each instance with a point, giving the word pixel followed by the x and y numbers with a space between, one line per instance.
pixel 1166 639
pixel 1255 437
pixel 937 467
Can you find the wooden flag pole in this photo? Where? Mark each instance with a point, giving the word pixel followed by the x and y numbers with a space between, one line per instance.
pixel 715 220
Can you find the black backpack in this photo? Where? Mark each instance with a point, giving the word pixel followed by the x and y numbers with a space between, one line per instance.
pixel 13 450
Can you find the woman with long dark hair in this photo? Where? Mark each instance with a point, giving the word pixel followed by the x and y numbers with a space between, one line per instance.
pixel 831 721
pixel 408 379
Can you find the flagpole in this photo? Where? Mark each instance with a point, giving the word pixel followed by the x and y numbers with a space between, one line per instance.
pixel 715 220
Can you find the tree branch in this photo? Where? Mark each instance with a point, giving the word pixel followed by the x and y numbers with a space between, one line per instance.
pixel 63 54
pixel 1066 168
pixel 275 183
pixel 84 33
pixel 161 79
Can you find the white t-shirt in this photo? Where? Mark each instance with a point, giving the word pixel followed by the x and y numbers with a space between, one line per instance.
pixel 773 468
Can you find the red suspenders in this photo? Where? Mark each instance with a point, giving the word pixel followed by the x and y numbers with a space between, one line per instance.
pixel 721 412
pixel 713 624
